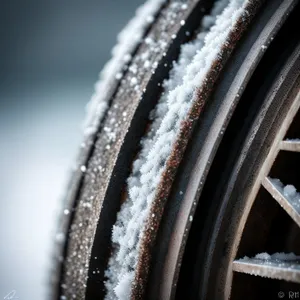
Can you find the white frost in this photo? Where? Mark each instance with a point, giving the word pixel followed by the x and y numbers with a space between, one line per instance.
pixel 128 39
pixel 285 256
pixel 281 256
pixel 122 290
pixel 186 76
pixel 289 192
pixel 263 256
pixel 271 266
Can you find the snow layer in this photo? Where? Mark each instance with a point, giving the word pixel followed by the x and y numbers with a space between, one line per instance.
pixel 128 40
pixel 280 256
pixel 187 75
pixel 289 192
pixel 278 265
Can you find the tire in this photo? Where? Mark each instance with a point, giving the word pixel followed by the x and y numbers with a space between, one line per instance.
pixel 220 195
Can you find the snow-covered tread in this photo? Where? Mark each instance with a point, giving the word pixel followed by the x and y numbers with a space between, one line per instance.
pixel 290 145
pixel 116 141
pixel 286 196
pixel 136 142
pixel 130 261
pixel 288 270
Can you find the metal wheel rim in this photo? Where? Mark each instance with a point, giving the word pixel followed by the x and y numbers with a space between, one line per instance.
pixel 180 232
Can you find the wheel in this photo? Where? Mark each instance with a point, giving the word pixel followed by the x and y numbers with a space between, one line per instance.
pixel 187 176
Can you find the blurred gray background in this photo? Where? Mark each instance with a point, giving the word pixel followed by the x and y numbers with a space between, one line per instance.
pixel 50 55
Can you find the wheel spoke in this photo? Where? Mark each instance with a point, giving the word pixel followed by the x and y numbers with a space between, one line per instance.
pixel 290 205
pixel 276 269
pixel 290 145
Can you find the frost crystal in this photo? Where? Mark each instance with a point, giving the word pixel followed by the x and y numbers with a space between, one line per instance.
pixel 271 266
pixel 66 211
pixel 263 256
pixel 289 192
pixel 276 257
